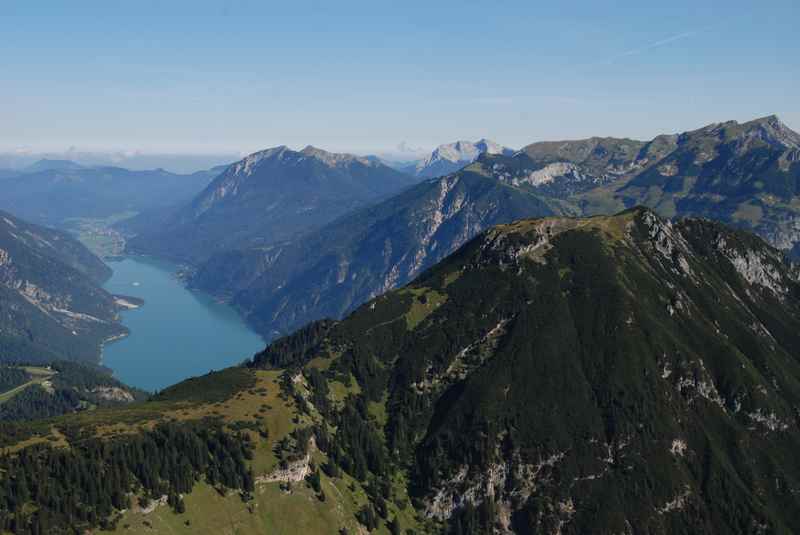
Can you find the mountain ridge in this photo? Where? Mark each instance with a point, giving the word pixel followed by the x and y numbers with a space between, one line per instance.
pixel 328 272
pixel 609 374
pixel 591 176
pixel 270 196
pixel 52 304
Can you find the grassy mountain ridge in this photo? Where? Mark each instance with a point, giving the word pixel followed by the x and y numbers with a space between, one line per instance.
pixel 607 374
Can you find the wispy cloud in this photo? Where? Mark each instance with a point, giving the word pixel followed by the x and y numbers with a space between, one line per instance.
pixel 646 48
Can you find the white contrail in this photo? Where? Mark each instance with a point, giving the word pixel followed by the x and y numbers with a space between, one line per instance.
pixel 655 44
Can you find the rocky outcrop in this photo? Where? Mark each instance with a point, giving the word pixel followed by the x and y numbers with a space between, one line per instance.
pixel 113 393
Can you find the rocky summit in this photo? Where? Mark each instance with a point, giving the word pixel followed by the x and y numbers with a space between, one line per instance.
pixel 745 174
pixel 269 197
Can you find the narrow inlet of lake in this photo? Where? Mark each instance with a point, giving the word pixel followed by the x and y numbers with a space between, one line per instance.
pixel 177 333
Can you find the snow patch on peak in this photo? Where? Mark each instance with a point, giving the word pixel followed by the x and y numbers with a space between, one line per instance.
pixel 459 153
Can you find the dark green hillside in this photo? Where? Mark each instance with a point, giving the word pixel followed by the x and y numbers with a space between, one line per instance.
pixel 591 375
pixel 27 240
pixel 62 387
pixel 614 374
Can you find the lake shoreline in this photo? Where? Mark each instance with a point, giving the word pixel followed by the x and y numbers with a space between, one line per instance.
pixel 174 331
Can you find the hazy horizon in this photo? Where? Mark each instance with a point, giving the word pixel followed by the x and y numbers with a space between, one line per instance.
pixel 231 78
pixel 187 162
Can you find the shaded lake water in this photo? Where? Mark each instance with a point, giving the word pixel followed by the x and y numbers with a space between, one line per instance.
pixel 177 333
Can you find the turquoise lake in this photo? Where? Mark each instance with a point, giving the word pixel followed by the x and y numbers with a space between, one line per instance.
pixel 177 333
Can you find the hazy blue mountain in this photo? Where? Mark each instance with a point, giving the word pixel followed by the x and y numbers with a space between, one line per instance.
pixel 328 272
pixel 46 164
pixel 268 197
pixel 52 193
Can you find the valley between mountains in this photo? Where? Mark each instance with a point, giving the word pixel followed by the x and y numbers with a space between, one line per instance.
pixel 589 336
pixel 746 175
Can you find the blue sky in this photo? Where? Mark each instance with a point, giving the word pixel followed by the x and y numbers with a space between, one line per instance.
pixel 237 76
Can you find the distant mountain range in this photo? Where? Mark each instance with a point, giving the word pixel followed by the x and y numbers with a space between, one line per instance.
pixel 449 158
pixel 179 163
pixel 743 174
pixel 269 197
pixel 47 164
pixel 328 272
pixel 51 303
pixel 482 372
pixel 53 191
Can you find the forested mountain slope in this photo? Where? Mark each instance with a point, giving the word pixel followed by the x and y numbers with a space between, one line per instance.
pixel 615 374
pixel 51 302
pixel 60 387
